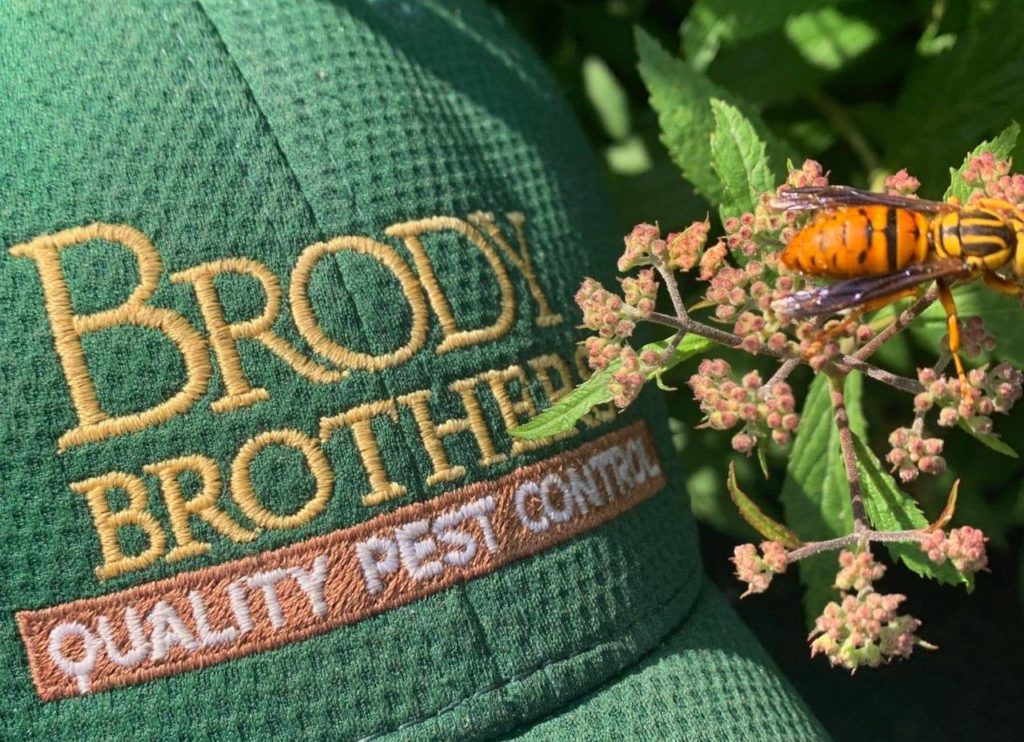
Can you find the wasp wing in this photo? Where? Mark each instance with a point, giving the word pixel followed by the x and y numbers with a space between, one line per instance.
pixel 856 292
pixel 828 197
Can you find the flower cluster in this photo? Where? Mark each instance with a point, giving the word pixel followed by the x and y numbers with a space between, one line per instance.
pixel 963 547
pixel 683 249
pixel 614 318
pixel 857 570
pixel 864 628
pixel 901 183
pixel 732 290
pixel 757 571
pixel 761 411
pixel 987 392
pixel 603 311
pixel 641 243
pixel 821 344
pixel 628 379
pixel 912 454
pixel 990 177
pixel 810 174
pixel 974 338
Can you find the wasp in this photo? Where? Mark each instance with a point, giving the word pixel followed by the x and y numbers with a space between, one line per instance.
pixel 882 248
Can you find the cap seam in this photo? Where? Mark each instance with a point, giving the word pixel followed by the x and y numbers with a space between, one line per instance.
pixel 556 660
pixel 316 222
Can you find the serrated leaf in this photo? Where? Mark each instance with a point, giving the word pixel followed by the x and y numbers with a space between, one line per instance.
pixel 890 509
pixel 991 440
pixel 568 410
pixel 756 518
pixel 681 96
pixel 1001 146
pixel 816 496
pixel 829 38
pixel 739 159
pixel 607 96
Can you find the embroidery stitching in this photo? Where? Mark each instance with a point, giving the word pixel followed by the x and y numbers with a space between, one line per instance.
pixel 224 337
pixel 310 329
pixel 294 592
pixel 455 338
pixel 68 328
pixel 423 293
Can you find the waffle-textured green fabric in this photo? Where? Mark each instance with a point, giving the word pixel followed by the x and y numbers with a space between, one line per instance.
pixel 248 250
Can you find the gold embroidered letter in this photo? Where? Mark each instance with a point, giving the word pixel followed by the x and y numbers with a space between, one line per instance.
pixel 224 336
pixel 454 338
pixel 203 505
pixel 68 329
pixel 498 381
pixel 432 434
pixel 241 479
pixel 336 353
pixel 108 522
pixel 520 259
pixel 358 418
pixel 466 389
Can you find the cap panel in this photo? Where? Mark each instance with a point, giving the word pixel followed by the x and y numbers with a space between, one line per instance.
pixel 709 679
pixel 235 152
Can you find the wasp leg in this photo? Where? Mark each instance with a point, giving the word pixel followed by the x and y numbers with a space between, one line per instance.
pixel 995 204
pixel 869 306
pixel 953 327
pixel 832 333
pixel 1002 285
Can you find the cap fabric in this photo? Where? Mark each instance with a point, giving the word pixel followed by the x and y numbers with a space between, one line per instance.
pixel 276 279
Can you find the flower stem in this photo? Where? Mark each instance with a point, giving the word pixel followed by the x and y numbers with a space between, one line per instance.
pixel 905 317
pixel 845 364
pixel 780 375
pixel 673 290
pixel 850 539
pixel 860 518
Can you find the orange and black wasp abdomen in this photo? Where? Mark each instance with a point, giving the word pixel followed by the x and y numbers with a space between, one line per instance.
pixel 853 241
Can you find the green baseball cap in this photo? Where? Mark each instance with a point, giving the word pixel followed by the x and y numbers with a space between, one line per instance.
pixel 277 279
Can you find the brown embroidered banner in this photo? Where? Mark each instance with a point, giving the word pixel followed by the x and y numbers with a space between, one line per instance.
pixel 234 609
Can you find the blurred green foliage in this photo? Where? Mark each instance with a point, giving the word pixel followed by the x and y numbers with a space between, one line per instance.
pixel 866 88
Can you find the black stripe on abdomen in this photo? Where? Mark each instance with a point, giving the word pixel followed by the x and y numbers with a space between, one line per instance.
pixel 891 235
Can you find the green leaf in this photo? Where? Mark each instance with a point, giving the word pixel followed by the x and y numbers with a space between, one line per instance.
pixel 712 24
pixel 682 98
pixel 951 101
pixel 628 157
pixel 828 38
pixel 753 515
pixel 890 509
pixel 991 440
pixel 1001 146
pixel 816 496
pixel 739 158
pixel 568 410
pixel 1000 314
pixel 606 95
